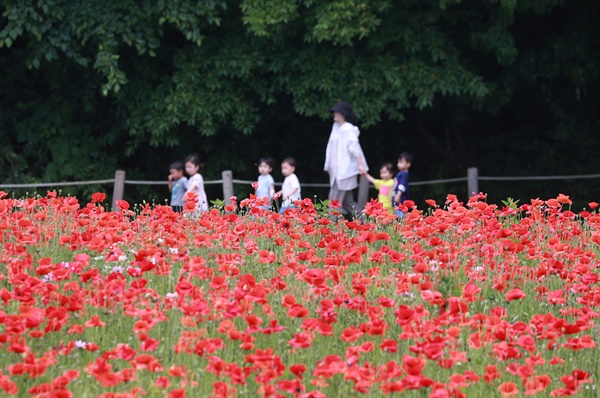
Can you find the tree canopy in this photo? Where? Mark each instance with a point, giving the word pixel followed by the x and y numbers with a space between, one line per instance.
pixel 507 85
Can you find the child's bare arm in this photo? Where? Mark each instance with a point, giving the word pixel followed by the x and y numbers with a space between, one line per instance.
pixel 170 183
pixel 191 189
pixel 398 197
pixel 370 178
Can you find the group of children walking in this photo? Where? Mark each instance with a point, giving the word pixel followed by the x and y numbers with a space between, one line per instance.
pixel 392 190
pixel 182 189
pixel 344 161
pixel 265 187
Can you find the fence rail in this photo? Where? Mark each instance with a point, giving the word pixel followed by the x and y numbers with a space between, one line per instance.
pixel 57 184
pixel 541 178
pixel 227 181
pixel 444 181
pixel 311 185
pixel 141 182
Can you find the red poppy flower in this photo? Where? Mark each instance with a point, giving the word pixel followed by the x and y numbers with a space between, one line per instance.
pixel 564 199
pixel 177 371
pixel 298 370
pixel 122 204
pixel 94 322
pixel 162 382
pixel 491 373
pixel 298 311
pixel 515 294
pixel 351 334
pixel 389 346
pixel 324 329
pixel 301 340
pixel 335 204
pixel 98 197
pixel 508 389
pixel 179 393
pixel 412 365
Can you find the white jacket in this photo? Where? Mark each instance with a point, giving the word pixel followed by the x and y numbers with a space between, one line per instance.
pixel 347 151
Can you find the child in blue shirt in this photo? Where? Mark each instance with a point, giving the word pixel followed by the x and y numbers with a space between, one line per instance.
pixel 178 185
pixel 290 190
pixel 266 183
pixel 401 191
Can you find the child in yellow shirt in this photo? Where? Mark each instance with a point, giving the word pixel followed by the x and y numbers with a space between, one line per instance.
pixel 385 185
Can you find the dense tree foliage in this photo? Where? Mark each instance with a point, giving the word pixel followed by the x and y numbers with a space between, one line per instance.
pixel 507 85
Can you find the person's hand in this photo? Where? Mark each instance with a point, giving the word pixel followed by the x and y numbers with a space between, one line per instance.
pixel 362 170
pixel 170 178
pixel 397 198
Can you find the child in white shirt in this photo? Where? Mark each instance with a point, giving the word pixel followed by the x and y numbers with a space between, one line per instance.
pixel 290 191
pixel 196 183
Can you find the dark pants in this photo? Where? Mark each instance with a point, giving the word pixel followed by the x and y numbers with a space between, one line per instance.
pixel 346 199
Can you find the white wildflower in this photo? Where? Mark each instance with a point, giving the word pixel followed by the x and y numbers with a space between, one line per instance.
pixel 80 344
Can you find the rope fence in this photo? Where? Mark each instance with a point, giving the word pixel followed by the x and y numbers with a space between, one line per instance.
pixel 431 182
pixel 140 182
pixel 56 184
pixel 541 178
pixel 311 185
pixel 227 181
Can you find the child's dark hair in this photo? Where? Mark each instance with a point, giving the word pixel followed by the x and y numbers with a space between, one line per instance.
pixel 194 159
pixel 176 166
pixel 290 161
pixel 388 166
pixel 269 161
pixel 406 156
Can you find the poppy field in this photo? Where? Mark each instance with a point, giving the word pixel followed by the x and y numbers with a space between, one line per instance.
pixel 459 299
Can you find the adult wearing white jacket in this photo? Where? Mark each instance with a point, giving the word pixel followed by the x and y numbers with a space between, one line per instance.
pixel 344 158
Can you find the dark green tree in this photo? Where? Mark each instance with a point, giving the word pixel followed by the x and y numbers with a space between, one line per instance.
pixel 507 85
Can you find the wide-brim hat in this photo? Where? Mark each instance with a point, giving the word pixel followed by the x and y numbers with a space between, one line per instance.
pixel 344 108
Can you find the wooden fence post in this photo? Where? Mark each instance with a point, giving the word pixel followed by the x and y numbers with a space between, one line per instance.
pixel 227 177
pixel 363 192
pixel 472 181
pixel 119 188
